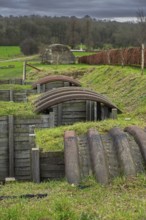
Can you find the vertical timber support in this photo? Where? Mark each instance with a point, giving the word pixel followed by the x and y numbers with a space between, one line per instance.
pixel 72 168
pixel 11 95
pixel 95 111
pixel 59 109
pixel 31 136
pixel 11 145
pixel 24 70
pixel 38 88
pixel 88 110
pixel 114 113
pixel 35 165
pixel 51 120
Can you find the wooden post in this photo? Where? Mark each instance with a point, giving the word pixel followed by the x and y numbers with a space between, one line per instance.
pixel 95 111
pixel 88 110
pixel 114 113
pixel 142 59
pixel 11 145
pixel 31 136
pixel 59 112
pixel 38 88
pixel 24 70
pixel 51 120
pixel 35 165
pixel 11 96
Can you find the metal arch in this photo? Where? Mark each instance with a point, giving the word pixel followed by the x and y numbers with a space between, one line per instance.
pixel 53 78
pixel 58 97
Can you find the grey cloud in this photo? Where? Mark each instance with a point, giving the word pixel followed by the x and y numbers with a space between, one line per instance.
pixel 94 8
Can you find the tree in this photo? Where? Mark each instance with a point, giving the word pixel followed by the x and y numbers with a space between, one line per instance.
pixel 29 47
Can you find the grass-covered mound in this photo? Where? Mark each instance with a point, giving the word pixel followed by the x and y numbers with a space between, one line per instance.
pixel 124 86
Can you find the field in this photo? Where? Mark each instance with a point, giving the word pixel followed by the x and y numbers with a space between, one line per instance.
pixel 9 52
pixel 124 198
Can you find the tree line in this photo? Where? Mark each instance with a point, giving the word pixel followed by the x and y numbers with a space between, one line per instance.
pixel 73 31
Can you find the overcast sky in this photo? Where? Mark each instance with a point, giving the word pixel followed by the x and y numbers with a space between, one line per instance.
pixel 99 9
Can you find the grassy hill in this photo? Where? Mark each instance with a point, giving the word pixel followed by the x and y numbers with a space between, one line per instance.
pixel 124 86
pixel 122 199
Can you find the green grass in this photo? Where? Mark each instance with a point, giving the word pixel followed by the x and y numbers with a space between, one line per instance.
pixel 82 53
pixel 11 73
pixel 122 199
pixel 9 52
pixel 15 87
pixel 16 109
pixel 53 139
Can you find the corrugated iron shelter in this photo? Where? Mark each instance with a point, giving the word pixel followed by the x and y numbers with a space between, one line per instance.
pixel 75 104
pixel 54 81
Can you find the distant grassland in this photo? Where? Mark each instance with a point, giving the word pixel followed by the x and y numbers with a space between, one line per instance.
pixel 8 52
pixel 82 53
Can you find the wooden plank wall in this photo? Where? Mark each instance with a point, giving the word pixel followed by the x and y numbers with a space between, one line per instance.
pixel 15 95
pixel 12 81
pixel 16 136
pixel 70 112
pixel 52 165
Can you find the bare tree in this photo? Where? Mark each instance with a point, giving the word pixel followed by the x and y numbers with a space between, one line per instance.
pixel 141 18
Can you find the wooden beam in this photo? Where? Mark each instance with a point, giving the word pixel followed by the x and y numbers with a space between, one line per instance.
pixel 11 145
pixel 35 165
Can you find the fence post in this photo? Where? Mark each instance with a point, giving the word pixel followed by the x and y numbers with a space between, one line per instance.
pixel 35 165
pixel 38 88
pixel 24 70
pixel 11 95
pixel 11 145
pixel 142 59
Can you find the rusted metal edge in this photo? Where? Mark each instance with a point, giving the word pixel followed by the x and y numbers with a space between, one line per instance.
pixel 49 79
pixel 78 96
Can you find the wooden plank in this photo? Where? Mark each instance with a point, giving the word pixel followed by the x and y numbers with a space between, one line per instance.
pixel 22 155
pixel 23 178
pixel 54 154
pixel 22 162
pixel 35 165
pixel 22 173
pixel 50 167
pixel 51 120
pixel 59 115
pixel 48 175
pixel 11 146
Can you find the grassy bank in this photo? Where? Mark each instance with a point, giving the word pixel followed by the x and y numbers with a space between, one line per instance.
pixel 124 86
